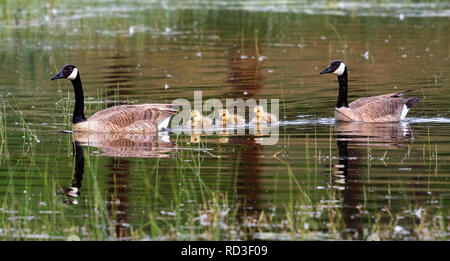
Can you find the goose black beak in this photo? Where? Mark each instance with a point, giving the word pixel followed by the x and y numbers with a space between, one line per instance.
pixel 57 76
pixel 327 70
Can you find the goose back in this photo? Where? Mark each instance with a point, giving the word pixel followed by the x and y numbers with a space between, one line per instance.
pixel 382 108
pixel 142 118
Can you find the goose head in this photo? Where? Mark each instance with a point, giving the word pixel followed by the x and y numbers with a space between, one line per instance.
pixel 68 71
pixel 335 67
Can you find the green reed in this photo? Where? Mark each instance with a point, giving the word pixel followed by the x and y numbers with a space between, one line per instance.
pixel 4 136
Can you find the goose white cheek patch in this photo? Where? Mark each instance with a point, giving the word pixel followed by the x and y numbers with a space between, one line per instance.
pixel 339 71
pixel 73 75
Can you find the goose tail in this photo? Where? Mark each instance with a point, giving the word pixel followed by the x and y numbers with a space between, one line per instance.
pixel 411 102
pixel 165 116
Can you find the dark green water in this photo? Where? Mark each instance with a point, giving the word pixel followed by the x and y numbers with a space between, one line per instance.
pixel 322 180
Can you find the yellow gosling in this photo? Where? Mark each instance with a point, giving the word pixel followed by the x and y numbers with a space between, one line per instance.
pixel 198 121
pixel 263 117
pixel 230 119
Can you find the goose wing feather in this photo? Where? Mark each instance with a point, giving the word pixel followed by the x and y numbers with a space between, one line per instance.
pixel 141 118
pixel 365 100
pixel 383 108
pixel 124 115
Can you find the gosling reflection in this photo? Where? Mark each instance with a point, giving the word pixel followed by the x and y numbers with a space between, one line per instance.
pixel 353 139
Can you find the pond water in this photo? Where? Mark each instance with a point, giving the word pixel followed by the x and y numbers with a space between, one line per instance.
pixel 321 180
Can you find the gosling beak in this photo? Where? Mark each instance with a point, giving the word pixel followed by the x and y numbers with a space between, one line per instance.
pixel 57 76
pixel 327 70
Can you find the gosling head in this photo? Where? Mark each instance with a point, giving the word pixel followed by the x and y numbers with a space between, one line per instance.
pixel 68 71
pixel 195 115
pixel 335 67
pixel 258 110
pixel 224 114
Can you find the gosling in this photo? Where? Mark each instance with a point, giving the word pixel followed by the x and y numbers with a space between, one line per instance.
pixel 263 117
pixel 198 121
pixel 230 119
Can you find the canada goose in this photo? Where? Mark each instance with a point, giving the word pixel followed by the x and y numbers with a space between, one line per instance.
pixel 230 119
pixel 263 117
pixel 198 121
pixel 143 118
pixel 383 108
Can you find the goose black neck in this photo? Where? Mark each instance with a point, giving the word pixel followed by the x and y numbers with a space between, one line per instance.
pixel 79 165
pixel 343 153
pixel 342 97
pixel 78 112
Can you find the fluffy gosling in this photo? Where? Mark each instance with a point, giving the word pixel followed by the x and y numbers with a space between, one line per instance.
pixel 263 117
pixel 198 121
pixel 230 119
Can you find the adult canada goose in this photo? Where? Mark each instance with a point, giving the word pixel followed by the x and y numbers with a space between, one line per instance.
pixel 263 117
pixel 142 118
pixel 230 119
pixel 389 107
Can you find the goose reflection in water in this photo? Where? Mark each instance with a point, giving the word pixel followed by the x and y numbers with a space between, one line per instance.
pixel 390 134
pixel 353 141
pixel 130 145
pixel 362 134
pixel 115 145
pixel 119 147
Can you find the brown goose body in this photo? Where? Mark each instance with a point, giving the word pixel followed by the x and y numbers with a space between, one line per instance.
pixel 391 107
pixel 143 118
pixel 382 108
